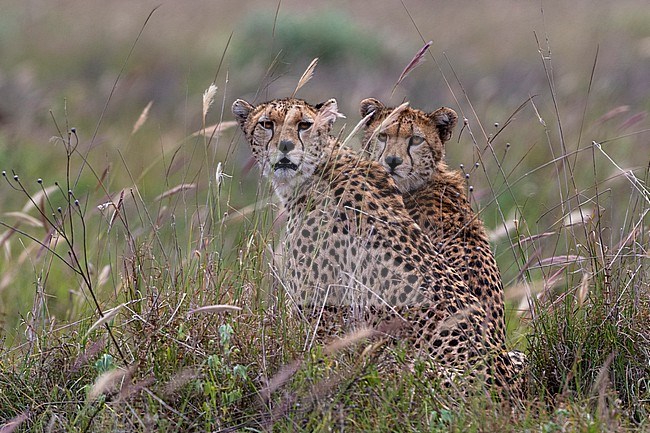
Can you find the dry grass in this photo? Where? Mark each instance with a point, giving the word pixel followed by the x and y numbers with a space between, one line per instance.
pixel 136 289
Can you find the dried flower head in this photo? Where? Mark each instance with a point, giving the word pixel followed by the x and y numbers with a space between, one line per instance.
pixel 208 99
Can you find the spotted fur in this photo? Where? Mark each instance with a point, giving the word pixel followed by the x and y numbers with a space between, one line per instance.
pixel 412 151
pixel 351 247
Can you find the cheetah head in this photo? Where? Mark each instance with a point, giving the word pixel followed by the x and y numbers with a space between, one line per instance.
pixel 410 147
pixel 287 138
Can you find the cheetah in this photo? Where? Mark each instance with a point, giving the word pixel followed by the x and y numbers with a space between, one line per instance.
pixel 412 150
pixel 350 243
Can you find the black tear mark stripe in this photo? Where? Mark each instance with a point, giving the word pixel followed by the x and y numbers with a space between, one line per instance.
pixel 300 139
pixel 408 147
pixel 383 148
pixel 267 115
pixel 268 142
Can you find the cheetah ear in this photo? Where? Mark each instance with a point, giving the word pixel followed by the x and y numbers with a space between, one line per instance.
pixel 370 107
pixel 241 109
pixel 445 120
pixel 328 112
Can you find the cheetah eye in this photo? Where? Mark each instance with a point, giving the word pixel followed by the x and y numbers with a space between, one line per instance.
pixel 382 136
pixel 415 140
pixel 266 124
pixel 303 126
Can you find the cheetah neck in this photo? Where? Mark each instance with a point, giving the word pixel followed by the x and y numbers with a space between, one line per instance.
pixel 287 188
pixel 453 216
pixel 449 180
pixel 312 181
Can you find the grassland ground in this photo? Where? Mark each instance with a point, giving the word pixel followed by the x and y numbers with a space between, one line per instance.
pixel 137 288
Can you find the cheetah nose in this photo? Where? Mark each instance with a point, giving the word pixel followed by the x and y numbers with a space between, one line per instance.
pixel 393 161
pixel 286 146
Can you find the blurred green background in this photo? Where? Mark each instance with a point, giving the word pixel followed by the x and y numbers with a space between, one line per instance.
pixel 60 60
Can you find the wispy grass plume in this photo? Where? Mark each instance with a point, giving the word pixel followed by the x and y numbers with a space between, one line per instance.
pixel 215 129
pixel 109 381
pixel 108 316
pixel 414 63
pixel 306 76
pixel 215 309
pixel 175 190
pixel 142 119
pixel 11 425
pixel 208 99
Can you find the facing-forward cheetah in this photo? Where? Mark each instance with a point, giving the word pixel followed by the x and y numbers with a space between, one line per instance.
pixel 350 241
pixel 412 150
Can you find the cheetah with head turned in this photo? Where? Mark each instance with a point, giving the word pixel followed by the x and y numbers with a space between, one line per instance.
pixel 411 149
pixel 350 243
